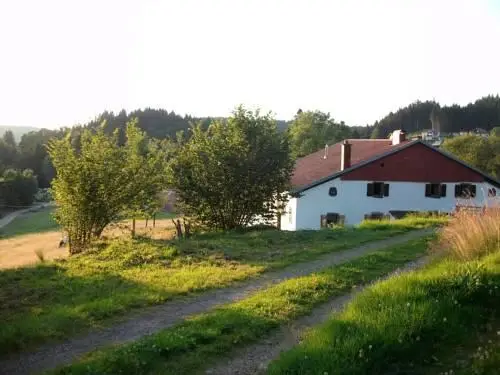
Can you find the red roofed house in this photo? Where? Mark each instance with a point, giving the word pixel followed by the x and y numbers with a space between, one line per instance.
pixel 360 178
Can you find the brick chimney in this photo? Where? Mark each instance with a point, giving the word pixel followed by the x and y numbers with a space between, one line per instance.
pixel 398 136
pixel 345 155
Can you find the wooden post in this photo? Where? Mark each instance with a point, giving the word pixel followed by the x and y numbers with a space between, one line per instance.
pixel 133 227
pixel 154 219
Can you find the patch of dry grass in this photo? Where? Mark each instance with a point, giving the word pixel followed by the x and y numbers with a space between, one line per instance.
pixel 469 235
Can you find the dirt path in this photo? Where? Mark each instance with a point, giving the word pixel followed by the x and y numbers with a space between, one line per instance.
pixel 152 319
pixel 255 358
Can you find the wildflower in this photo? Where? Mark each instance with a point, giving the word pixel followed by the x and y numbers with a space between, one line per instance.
pixel 370 347
pixel 305 357
pixel 325 373
pixel 444 319
pixel 418 338
pixel 408 304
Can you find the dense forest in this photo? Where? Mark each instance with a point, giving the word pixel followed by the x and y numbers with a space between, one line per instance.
pixel 483 113
pixel 309 130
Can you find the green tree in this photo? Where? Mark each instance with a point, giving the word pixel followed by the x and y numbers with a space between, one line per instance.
pixel 18 188
pixel 311 130
pixel 98 179
pixel 233 172
pixel 478 151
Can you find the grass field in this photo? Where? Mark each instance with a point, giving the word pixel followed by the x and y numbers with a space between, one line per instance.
pixel 32 222
pixel 189 346
pixel 441 320
pixel 57 299
pixel 43 221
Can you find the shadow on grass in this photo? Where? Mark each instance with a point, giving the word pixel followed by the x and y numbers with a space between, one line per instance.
pixel 46 302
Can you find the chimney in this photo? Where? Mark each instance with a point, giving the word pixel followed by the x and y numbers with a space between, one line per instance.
pixel 398 136
pixel 345 155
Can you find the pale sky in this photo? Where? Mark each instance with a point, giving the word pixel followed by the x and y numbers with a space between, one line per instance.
pixel 64 62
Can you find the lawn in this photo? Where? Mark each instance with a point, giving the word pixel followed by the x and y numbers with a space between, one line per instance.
pixel 191 345
pixel 43 221
pixel 55 300
pixel 428 322
pixel 31 222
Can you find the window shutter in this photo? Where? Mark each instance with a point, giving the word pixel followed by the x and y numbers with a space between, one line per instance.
pixel 427 190
pixel 443 190
pixel 386 190
pixel 473 191
pixel 458 190
pixel 369 189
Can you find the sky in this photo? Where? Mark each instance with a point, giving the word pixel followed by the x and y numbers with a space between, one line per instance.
pixel 64 62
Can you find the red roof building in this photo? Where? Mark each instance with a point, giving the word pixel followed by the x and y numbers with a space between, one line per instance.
pixel 361 178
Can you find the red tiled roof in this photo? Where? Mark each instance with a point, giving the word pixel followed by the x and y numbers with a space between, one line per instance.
pixel 314 167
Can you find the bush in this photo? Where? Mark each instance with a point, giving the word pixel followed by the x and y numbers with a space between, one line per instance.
pixel 43 195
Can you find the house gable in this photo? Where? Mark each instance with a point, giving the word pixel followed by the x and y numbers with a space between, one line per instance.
pixel 416 163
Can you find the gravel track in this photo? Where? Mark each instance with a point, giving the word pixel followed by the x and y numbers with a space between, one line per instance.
pixel 254 359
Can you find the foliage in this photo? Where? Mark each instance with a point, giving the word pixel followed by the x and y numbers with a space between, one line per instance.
pixel 17 188
pixel 186 347
pixel 233 172
pixel 405 324
pixel 71 295
pixel 97 180
pixel 480 152
pixel 483 113
pixel 311 130
pixel 43 195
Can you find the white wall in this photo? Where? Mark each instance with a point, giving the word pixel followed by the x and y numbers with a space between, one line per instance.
pixel 352 201
pixel 288 222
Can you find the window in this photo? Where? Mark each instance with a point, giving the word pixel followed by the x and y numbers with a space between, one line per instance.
pixel 492 192
pixel 465 191
pixel 377 190
pixel 330 219
pixel 332 192
pixel 435 190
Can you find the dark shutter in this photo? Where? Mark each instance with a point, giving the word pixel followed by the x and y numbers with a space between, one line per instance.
pixel 428 191
pixel 443 190
pixel 369 189
pixel 472 191
pixel 386 190
pixel 458 191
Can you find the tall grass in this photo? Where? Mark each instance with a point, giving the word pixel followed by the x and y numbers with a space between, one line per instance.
pixel 470 235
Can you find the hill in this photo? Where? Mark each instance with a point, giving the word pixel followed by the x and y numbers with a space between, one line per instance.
pixel 17 130
pixel 483 113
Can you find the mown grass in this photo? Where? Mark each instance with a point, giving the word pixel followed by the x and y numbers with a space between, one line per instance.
pixel 31 222
pixel 186 348
pixel 406 324
pixel 55 300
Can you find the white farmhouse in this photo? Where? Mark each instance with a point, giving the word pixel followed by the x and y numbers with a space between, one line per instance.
pixel 359 178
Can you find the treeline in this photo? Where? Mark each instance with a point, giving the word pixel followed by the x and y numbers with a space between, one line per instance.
pixel 483 113
pixel 308 130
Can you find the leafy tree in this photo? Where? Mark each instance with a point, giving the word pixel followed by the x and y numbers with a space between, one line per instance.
pixel 98 179
pixel 478 151
pixel 311 130
pixel 233 172
pixel 18 188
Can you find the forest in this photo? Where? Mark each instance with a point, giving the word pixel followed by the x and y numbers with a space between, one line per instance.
pixel 309 130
